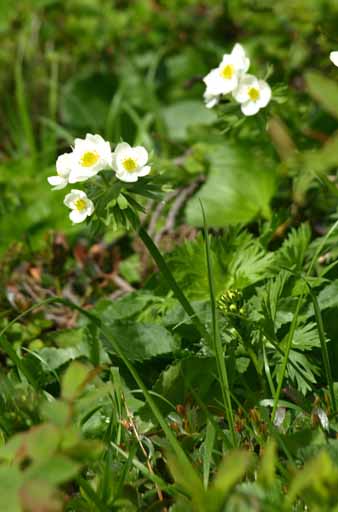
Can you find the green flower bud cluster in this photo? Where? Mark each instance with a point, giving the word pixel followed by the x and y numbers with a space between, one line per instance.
pixel 231 301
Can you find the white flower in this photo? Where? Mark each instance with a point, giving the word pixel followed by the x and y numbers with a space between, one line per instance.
pixel 90 156
pixel 334 58
pixel 253 94
pixel 63 168
pixel 130 163
pixel 224 79
pixel 81 206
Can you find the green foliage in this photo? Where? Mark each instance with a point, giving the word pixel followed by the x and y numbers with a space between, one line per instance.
pixel 239 188
pixel 129 391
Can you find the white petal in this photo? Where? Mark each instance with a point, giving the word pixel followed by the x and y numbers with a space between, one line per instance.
pixel 265 93
pixel 245 64
pixel 81 145
pixel 226 60
pixel 128 177
pixel 238 51
pixel 144 171
pixel 229 85
pixel 241 93
pixel 212 102
pixel 113 161
pixel 141 155
pixel 122 146
pixel 334 58
pixel 64 164
pixel 210 99
pixel 250 108
pixel 57 182
pixel 90 206
pixel 209 78
pixel 95 139
pixel 77 175
pixel 76 216
pixel 242 61
pixel 215 83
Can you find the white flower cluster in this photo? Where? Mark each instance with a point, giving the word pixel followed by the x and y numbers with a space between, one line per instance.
pixel 231 77
pixel 90 156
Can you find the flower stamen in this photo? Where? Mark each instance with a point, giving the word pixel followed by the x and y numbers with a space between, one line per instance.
pixel 89 158
pixel 253 94
pixel 227 72
pixel 80 204
pixel 129 164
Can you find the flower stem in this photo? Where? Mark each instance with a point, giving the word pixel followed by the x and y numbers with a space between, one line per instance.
pixel 217 342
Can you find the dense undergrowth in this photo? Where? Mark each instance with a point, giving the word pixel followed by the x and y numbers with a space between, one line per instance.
pixel 202 375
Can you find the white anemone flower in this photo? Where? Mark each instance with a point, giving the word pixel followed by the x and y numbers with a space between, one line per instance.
pixel 334 58
pixel 81 206
pixel 224 79
pixel 90 156
pixel 130 163
pixel 253 94
pixel 63 168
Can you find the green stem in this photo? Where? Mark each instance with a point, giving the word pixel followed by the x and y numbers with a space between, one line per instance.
pixel 325 354
pixel 267 370
pixel 167 274
pixel 286 357
pixel 217 343
pixel 92 495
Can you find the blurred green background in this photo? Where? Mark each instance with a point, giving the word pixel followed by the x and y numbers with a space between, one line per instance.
pixel 133 70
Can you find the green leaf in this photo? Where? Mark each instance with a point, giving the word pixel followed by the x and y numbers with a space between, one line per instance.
pixel 56 470
pixel 38 443
pixel 86 100
pixel 239 188
pixel 74 380
pixel 123 308
pixel 323 90
pixel 53 358
pixel 316 483
pixel 57 412
pixel 292 253
pixel 39 495
pixel 10 483
pixel 267 469
pixel 140 342
pixel 230 472
pixel 180 116
pixel 176 381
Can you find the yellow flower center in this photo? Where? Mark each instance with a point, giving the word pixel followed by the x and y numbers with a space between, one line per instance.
pixel 89 158
pixel 253 94
pixel 227 72
pixel 80 204
pixel 129 164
